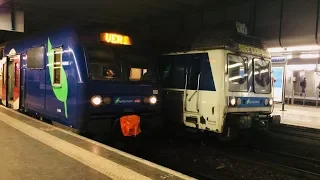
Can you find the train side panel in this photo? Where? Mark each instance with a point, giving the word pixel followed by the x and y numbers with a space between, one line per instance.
pixel 56 102
pixel 213 103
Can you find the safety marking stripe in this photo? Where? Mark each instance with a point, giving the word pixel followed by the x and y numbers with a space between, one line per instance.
pixel 104 166
pixel 127 155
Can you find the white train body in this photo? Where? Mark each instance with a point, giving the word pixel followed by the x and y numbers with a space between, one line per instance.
pixel 218 89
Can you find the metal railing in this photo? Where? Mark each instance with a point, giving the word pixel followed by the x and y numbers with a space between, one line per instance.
pixel 292 95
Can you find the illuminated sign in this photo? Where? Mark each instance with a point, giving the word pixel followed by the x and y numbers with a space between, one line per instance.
pixel 115 38
pixel 278 59
pixel 252 50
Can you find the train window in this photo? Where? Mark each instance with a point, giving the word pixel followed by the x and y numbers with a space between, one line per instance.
pixel 262 76
pixel 103 63
pixel 206 79
pixel 139 68
pixel 57 65
pixel 165 64
pixel 238 75
pixel 172 70
pixel 36 58
pixel 194 72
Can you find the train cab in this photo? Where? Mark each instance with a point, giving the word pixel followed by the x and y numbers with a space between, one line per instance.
pixel 219 81
pixel 86 80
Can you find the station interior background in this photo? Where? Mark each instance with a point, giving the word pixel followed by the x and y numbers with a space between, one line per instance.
pixel 295 69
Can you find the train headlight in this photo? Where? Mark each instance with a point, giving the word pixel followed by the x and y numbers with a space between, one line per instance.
pixel 266 102
pixel 270 102
pixel 233 101
pixel 153 100
pixel 96 100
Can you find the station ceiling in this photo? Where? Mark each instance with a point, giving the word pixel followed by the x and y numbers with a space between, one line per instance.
pixel 41 14
pixel 279 23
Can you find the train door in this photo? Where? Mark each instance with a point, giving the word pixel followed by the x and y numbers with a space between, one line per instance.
pixel 193 84
pixel 4 82
pixel 173 75
pixel 13 82
pixel 22 86
pixel 1 76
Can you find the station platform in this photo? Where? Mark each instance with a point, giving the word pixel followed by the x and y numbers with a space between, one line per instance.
pixel 31 149
pixel 298 115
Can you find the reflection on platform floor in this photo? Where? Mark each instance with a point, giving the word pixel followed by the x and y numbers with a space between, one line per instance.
pixel 306 116
pixel 31 149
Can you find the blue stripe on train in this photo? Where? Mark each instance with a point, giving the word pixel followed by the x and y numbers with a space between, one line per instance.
pixel 252 102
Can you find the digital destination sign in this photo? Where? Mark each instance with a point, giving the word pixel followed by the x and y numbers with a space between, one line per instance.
pixel 114 38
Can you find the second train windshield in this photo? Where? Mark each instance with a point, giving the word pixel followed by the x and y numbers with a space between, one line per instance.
pixel 238 75
pixel 115 64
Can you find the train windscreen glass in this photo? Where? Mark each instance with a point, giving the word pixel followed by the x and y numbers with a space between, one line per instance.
pixel 103 64
pixel 116 64
pixel 138 68
pixel 262 76
pixel 238 73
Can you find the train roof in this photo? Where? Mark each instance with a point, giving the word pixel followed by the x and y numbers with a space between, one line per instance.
pixel 85 34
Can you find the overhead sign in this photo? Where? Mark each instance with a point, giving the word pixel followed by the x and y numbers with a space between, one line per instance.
pixel 253 50
pixel 241 28
pixel 278 59
pixel 115 38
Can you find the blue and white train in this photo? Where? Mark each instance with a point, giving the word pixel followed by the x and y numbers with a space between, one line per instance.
pixel 220 83
pixel 85 80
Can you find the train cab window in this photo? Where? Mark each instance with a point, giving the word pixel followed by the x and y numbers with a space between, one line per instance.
pixel 103 64
pixel 262 76
pixel 57 65
pixel 194 72
pixel 238 75
pixel 173 71
pixel 139 68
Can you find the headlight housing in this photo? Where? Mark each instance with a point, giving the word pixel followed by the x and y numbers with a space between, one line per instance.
pixel 107 100
pixel 268 102
pixel 96 101
pixel 233 101
pixel 238 101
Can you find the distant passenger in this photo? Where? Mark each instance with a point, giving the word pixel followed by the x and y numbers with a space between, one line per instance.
pixel 273 79
pixel 303 85
pixel 109 74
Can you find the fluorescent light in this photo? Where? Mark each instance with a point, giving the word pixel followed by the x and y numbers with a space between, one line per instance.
pixel 298 67
pixel 274 50
pixel 235 78
pixel 235 65
pixel 294 48
pixel 309 56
